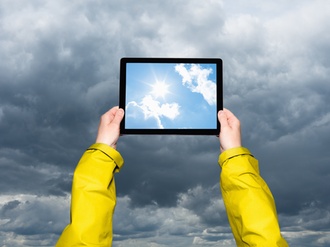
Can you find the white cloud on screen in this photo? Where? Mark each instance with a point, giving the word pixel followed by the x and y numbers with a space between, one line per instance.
pixel 196 79
pixel 152 108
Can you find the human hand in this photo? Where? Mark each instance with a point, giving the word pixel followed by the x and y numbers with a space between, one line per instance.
pixel 230 130
pixel 109 127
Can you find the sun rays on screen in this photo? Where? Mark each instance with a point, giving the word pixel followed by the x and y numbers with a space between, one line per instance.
pixel 159 89
pixel 170 96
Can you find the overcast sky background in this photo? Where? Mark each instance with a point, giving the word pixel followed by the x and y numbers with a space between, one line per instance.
pixel 59 71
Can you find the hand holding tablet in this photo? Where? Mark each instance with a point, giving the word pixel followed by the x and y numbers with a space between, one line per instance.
pixel 171 95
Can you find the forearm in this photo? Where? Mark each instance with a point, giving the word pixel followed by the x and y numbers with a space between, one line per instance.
pixel 249 202
pixel 93 198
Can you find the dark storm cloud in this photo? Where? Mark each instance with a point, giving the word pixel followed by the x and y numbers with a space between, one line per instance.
pixel 280 94
pixel 207 204
pixel 30 221
pixel 199 215
pixel 187 161
pixel 54 85
pixel 24 176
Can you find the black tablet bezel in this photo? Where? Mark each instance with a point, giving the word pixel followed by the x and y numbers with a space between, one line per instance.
pixel 122 94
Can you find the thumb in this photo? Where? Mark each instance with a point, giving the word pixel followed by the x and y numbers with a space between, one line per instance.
pixel 223 119
pixel 118 116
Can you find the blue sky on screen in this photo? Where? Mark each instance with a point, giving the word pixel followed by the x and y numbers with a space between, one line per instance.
pixel 170 96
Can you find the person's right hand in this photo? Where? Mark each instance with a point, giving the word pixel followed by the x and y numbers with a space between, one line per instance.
pixel 230 130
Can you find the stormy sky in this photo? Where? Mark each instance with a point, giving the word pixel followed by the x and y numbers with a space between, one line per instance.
pixel 59 71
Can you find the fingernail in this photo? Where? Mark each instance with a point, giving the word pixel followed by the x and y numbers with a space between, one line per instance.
pixel 121 111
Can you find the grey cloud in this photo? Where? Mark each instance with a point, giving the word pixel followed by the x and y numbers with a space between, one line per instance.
pixel 22 173
pixel 33 217
pixel 279 93
pixel 192 216
pixel 155 179
pixel 207 204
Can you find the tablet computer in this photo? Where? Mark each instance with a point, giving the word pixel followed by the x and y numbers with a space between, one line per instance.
pixel 176 96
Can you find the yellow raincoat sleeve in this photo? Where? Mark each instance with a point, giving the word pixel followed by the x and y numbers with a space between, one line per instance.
pixel 249 202
pixel 93 198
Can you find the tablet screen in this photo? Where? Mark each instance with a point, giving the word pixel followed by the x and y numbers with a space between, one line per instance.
pixel 170 95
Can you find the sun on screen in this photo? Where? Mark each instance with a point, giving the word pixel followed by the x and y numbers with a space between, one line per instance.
pixel 159 89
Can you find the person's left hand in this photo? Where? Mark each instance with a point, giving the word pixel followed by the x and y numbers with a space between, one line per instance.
pixel 109 127
pixel 230 130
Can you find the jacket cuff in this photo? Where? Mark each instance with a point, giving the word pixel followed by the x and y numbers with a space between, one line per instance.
pixel 230 153
pixel 110 152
